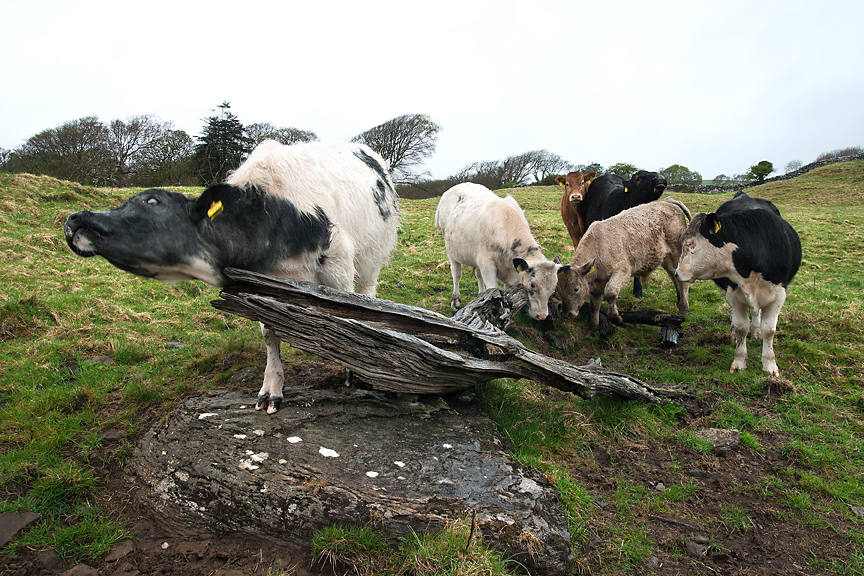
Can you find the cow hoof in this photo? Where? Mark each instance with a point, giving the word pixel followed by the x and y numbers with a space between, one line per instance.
pixel 262 400
pixel 274 405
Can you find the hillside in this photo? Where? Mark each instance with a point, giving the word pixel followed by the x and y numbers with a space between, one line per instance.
pixel 92 357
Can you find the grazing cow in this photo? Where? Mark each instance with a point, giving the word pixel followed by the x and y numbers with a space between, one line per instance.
pixel 632 243
pixel 491 234
pixel 610 194
pixel 575 191
pixel 320 212
pixel 752 254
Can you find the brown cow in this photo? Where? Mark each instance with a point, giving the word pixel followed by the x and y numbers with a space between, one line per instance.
pixel 575 191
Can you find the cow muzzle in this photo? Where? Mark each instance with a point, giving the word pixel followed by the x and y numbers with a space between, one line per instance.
pixel 78 228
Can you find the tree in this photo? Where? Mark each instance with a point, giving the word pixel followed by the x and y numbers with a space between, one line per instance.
pixel 221 148
pixel 261 131
pixel 721 180
pixel 591 167
pixel 405 142
pixel 793 165
pixel 545 164
pixel 759 171
pixel 167 161
pixel 840 152
pixel 76 151
pixel 128 139
pixel 622 169
pixel 681 178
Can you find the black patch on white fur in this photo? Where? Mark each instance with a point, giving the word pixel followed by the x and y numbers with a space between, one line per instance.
pixel 383 191
pixel 157 228
pixel 767 244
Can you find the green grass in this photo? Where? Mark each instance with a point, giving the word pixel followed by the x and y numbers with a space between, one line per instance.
pixel 59 313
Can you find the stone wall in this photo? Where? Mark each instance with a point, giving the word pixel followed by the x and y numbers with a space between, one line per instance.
pixel 787 176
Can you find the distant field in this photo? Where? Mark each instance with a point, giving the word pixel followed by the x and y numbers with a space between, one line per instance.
pixel 797 477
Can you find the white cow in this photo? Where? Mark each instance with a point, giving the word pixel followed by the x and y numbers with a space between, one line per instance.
pixel 320 212
pixel 491 234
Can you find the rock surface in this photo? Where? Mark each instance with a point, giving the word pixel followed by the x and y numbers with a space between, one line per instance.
pixel 357 458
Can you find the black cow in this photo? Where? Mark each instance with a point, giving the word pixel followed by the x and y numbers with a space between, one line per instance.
pixel 610 194
pixel 752 254
pixel 323 213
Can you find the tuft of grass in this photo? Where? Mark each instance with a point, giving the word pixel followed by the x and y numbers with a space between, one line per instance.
pixel 456 550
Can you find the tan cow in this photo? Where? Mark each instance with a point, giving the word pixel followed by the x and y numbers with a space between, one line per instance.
pixel 632 243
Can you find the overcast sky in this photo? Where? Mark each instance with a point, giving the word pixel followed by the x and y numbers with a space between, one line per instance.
pixel 714 86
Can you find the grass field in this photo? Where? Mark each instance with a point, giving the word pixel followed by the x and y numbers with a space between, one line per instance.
pixel 89 354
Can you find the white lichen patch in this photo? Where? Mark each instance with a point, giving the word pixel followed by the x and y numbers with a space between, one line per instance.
pixel 294 439
pixel 447 446
pixel 207 415
pixel 372 474
pixel 327 452
pixel 240 436
pixel 253 461
pixel 182 476
pixel 399 463
pixel 258 432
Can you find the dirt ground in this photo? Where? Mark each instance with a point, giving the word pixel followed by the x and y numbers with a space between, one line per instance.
pixel 695 536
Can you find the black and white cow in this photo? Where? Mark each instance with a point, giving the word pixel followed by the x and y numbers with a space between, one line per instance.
pixel 752 254
pixel 321 212
pixel 610 194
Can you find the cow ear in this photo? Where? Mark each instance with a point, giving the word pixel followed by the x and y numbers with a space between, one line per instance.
pixel 712 223
pixel 520 264
pixel 587 268
pixel 563 268
pixel 560 180
pixel 590 176
pixel 209 204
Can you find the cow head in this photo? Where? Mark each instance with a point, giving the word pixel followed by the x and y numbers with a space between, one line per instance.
pixel 539 281
pixel 153 234
pixel 576 186
pixel 573 288
pixel 650 184
pixel 703 254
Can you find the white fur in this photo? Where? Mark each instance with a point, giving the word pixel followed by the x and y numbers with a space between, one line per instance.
pixel 329 176
pixel 477 228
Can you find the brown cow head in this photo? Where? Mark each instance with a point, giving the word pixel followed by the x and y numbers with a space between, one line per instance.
pixel 576 185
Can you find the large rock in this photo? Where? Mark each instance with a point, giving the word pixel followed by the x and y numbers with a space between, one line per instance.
pixel 357 458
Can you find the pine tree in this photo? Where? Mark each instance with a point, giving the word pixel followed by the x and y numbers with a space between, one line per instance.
pixel 221 148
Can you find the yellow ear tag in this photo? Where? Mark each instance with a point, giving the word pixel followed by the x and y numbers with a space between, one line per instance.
pixel 591 271
pixel 626 189
pixel 560 183
pixel 716 226
pixel 215 209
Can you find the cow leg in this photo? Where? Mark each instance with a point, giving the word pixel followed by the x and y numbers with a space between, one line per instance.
pixel 274 376
pixel 769 315
pixel 682 289
pixel 456 272
pixel 613 288
pixel 740 327
pixel 637 288
pixel 596 300
pixel 756 324
pixel 487 276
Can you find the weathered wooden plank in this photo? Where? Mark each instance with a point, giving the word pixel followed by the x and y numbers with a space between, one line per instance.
pixel 400 348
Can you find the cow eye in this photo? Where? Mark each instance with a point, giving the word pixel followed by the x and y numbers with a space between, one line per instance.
pixel 152 201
